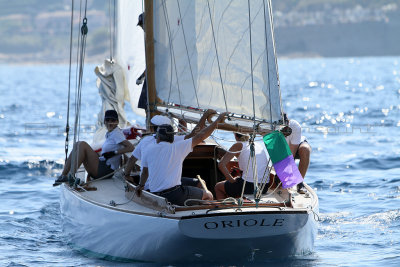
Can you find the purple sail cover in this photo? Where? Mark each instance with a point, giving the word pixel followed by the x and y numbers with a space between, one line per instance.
pixel 288 172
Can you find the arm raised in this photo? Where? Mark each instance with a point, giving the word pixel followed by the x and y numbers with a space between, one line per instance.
pixel 206 132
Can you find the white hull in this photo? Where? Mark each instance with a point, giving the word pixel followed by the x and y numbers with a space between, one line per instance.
pixel 136 234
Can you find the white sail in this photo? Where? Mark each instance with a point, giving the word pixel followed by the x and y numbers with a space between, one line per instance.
pixel 208 55
pixel 130 54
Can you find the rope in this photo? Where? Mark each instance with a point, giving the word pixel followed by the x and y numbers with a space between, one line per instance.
pixel 216 54
pixel 274 189
pixel 112 203
pixel 227 150
pixel 69 83
pixel 105 176
pixel 187 53
pixel 226 201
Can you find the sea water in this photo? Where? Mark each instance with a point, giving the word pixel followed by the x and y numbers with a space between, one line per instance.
pixel 349 109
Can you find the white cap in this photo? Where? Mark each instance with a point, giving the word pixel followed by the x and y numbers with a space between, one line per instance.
pixel 160 120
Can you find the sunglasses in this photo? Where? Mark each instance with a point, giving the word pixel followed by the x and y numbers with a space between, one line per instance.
pixel 110 120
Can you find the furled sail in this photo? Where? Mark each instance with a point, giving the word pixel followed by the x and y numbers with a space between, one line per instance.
pixel 217 54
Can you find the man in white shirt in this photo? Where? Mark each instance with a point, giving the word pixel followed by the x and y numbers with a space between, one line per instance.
pixel 299 147
pixel 162 165
pixel 151 139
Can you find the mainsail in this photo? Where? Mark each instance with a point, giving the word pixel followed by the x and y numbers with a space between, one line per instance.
pixel 217 54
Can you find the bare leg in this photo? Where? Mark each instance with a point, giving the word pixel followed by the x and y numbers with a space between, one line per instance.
pixel 304 153
pixel 86 155
pixel 207 195
pixel 220 190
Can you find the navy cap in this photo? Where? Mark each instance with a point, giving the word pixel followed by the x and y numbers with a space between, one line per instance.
pixel 111 114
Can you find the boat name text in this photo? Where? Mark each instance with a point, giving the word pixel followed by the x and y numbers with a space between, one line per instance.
pixel 243 223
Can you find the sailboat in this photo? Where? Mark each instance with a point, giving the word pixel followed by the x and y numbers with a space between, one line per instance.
pixel 199 54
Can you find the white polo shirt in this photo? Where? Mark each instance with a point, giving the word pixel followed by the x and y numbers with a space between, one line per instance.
pixel 246 163
pixel 295 137
pixel 164 161
pixel 112 143
pixel 148 140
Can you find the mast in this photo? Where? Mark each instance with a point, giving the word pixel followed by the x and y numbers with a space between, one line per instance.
pixel 149 48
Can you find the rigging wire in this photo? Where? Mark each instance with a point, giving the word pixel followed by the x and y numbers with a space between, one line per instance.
pixel 187 53
pixel 172 53
pixel 267 52
pixel 271 18
pixel 252 155
pixel 77 63
pixel 216 54
pixel 69 82
pixel 265 179
pixel 74 155
pixel 110 29
pixel 82 52
pixel 78 94
pixel 115 23
pixel 251 65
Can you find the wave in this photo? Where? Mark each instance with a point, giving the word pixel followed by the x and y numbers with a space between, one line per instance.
pixel 29 171
pixel 384 218
pixel 41 165
pixel 382 163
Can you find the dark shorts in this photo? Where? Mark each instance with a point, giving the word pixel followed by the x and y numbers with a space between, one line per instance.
pixel 297 156
pixel 181 193
pixel 103 169
pixel 235 189
pixel 186 181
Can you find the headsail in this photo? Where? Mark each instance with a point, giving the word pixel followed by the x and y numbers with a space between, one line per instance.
pixel 217 54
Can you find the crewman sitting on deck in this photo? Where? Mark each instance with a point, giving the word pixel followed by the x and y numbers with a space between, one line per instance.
pixel 299 147
pixel 234 186
pixel 162 165
pixel 99 167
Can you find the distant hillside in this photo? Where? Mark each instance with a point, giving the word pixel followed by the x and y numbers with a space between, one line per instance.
pixel 337 28
pixel 39 30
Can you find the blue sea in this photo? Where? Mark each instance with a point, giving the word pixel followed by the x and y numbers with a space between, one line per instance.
pixel 350 112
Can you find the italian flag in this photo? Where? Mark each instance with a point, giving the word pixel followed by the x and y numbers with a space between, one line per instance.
pixel 282 159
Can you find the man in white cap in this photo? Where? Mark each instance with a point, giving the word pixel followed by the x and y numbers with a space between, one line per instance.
pixel 156 121
pixel 160 120
pixel 162 165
